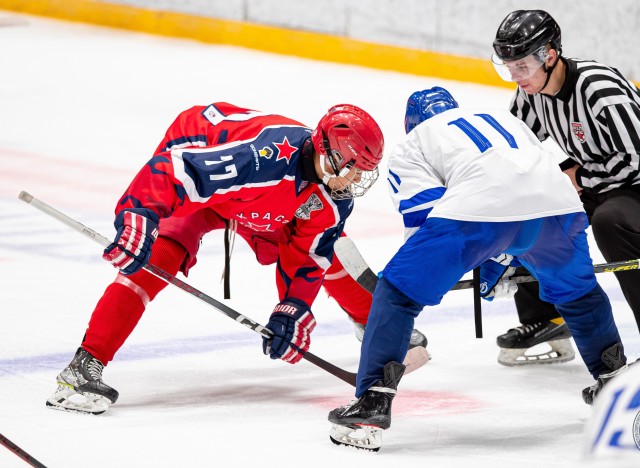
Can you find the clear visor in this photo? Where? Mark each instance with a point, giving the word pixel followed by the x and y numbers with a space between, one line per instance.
pixel 521 69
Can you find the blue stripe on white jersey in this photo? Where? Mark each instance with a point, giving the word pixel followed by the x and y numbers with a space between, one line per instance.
pixel 417 219
pixel 416 209
pixel 395 183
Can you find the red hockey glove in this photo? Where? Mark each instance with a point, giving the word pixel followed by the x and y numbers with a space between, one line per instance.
pixel 137 229
pixel 291 323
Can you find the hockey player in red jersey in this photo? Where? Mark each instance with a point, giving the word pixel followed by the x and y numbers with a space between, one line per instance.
pixel 285 189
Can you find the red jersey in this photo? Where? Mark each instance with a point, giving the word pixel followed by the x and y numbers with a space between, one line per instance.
pixel 246 166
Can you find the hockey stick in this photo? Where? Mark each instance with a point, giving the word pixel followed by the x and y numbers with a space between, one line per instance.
pixel 477 302
pixel 357 267
pixel 21 453
pixel 342 374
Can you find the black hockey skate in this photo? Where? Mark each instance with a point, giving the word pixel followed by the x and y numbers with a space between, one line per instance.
pixel 359 424
pixel 80 387
pixel 616 361
pixel 517 341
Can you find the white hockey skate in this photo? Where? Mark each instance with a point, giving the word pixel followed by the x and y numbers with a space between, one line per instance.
pixel 560 351
pixel 365 438
pixel 520 345
pixel 80 387
pixel 65 398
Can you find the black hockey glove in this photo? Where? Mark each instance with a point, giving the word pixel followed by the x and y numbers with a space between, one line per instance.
pixel 291 323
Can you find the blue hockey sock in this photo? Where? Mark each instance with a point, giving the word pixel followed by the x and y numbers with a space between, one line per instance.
pixel 591 323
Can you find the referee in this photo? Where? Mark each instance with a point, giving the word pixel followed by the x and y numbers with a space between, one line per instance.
pixel 593 113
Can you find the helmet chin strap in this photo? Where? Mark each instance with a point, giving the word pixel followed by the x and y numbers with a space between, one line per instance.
pixel 549 71
pixel 326 177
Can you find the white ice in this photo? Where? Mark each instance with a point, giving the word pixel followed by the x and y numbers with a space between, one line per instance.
pixel 81 110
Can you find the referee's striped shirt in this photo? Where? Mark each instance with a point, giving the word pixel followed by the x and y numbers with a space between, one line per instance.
pixel 595 118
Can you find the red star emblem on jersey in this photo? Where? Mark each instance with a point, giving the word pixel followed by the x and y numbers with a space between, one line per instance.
pixel 285 150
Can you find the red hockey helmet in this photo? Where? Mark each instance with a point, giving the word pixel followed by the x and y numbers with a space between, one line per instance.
pixel 347 135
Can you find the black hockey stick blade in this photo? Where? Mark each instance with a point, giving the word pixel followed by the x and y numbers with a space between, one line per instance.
pixel 348 377
pixel 21 453
pixel 357 267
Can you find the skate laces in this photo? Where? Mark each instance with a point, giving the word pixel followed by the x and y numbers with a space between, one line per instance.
pixel 525 330
pixel 94 368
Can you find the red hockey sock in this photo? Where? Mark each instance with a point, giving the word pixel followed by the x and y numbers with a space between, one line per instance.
pixel 353 298
pixel 123 302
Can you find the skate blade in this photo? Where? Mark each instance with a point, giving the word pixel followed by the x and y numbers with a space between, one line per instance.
pixel 367 438
pixel 67 399
pixel 561 351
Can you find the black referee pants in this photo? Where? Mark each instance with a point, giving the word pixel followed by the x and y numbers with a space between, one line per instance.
pixel 615 223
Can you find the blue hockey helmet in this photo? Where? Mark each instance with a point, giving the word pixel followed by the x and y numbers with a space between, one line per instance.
pixel 422 105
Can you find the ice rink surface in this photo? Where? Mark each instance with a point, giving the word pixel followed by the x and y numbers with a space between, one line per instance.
pixel 81 110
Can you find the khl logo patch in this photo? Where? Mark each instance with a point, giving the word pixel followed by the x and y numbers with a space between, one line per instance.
pixel 312 204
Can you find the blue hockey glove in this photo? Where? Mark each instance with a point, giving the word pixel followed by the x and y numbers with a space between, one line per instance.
pixel 495 274
pixel 291 323
pixel 137 229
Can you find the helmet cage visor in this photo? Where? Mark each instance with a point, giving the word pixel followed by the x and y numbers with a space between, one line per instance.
pixel 351 181
pixel 358 182
pixel 520 69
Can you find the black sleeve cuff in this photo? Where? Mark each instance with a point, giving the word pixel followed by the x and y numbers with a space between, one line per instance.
pixel 579 172
pixel 567 164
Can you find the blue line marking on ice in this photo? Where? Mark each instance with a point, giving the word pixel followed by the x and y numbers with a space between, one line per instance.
pixel 176 347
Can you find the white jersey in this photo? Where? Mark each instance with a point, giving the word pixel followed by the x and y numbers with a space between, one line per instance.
pixel 612 433
pixel 477 165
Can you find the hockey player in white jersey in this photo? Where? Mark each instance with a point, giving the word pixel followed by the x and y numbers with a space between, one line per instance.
pixel 612 433
pixel 471 185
